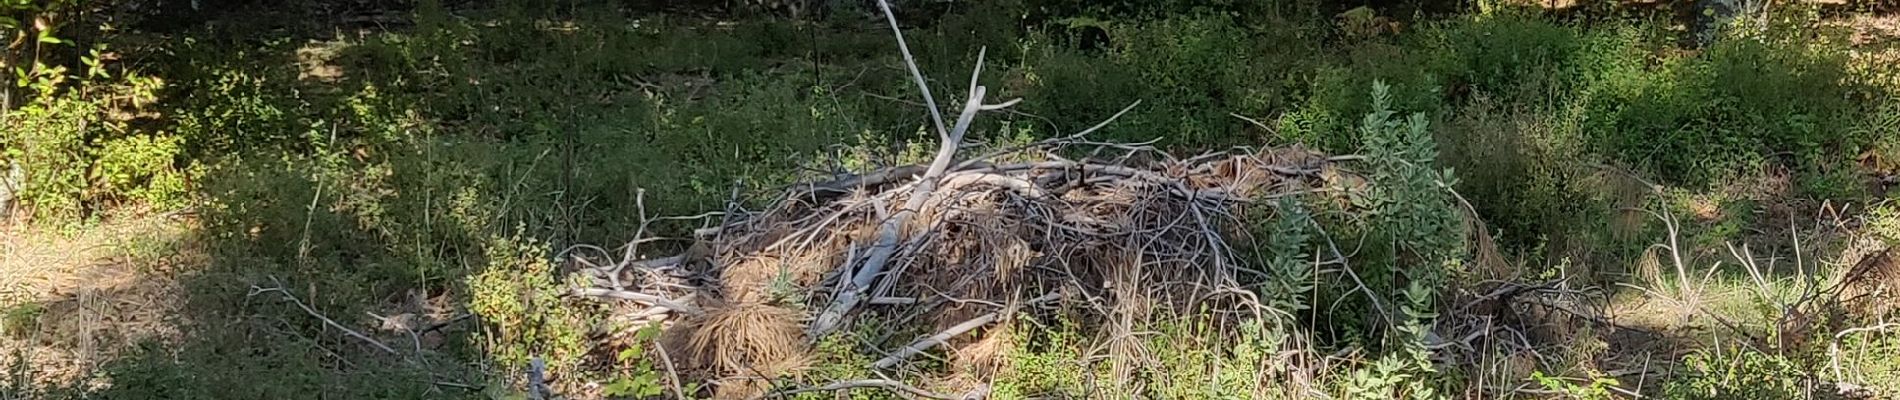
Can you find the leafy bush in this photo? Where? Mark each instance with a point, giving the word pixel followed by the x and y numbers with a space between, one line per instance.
pixel 1286 256
pixel 48 140
pixel 1197 363
pixel 1341 93
pixel 1697 119
pixel 1500 53
pixel 519 298
pixel 1595 389
pixel 1048 362
pixel 1741 373
pixel 634 372
pixel 1409 205
pixel 76 142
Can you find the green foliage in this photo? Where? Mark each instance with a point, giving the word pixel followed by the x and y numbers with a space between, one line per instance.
pixel 19 320
pixel 1493 54
pixel 1884 221
pixel 232 110
pixel 1049 362
pixel 1392 376
pixel 438 138
pixel 1340 92
pixel 140 168
pixel 1526 174
pixel 75 139
pixel 48 138
pixel 634 373
pixel 840 357
pixel 519 298
pixel 1698 119
pixel 1867 361
pixel 1197 363
pixel 1738 373
pixel 1595 389
pixel 1409 203
pixel 1287 257
pixel 1408 193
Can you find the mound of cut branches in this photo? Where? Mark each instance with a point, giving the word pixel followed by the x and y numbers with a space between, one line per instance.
pixel 956 248
pixel 956 245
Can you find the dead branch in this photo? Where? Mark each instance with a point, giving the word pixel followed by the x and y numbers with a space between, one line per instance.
pixel 940 337
pixel 1131 231
pixel 887 237
pixel 823 191
pixel 1834 347
pixel 642 298
pixel 279 289
pixel 672 375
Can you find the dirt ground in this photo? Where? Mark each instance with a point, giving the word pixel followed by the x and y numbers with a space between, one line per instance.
pixel 69 302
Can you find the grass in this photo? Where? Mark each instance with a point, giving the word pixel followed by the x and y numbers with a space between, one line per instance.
pixel 436 165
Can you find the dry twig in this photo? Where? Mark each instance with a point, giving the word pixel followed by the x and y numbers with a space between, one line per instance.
pixel 933 340
pixel 279 289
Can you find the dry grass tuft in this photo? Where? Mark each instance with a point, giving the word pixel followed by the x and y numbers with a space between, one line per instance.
pixel 753 341
pixel 984 357
pixel 1872 288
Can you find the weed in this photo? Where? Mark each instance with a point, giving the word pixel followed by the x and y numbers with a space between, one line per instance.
pixel 519 298
pixel 1739 373
pixel 1048 363
pixel 635 375
pixel 1595 389
pixel 75 141
pixel 19 320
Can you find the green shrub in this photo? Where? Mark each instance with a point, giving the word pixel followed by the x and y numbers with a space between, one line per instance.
pixel 141 169
pixel 1884 221
pixel 1286 256
pixel 228 98
pixel 1697 119
pixel 1197 361
pixel 1048 362
pixel 1407 196
pixel 75 139
pixel 1595 389
pixel 1739 372
pixel 1497 54
pixel 520 300
pixel 1341 94
pixel 47 138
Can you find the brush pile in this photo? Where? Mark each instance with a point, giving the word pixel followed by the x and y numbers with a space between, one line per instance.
pixel 951 247
pixel 1116 236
